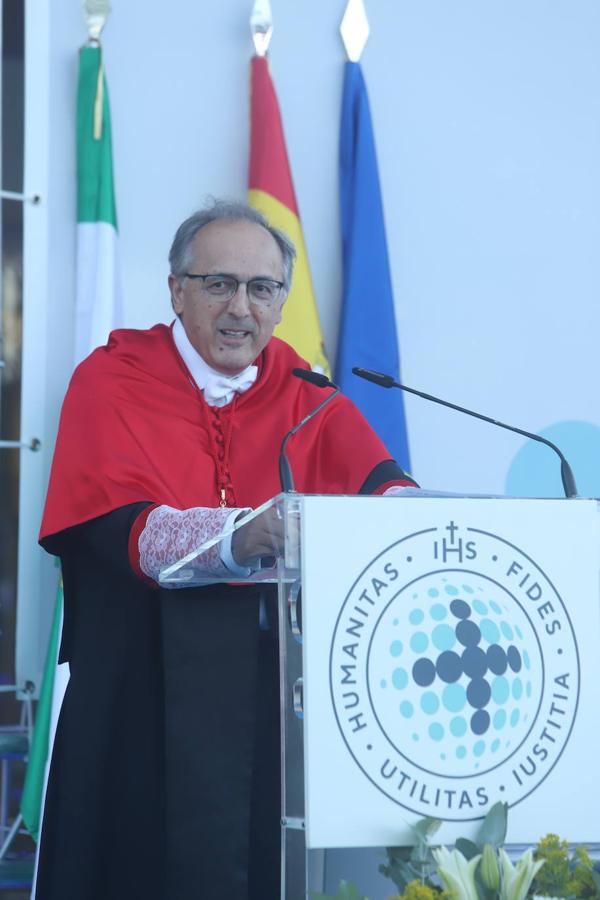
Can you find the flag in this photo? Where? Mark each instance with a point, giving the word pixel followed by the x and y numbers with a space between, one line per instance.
pixel 98 287
pixel 33 789
pixel 368 327
pixel 271 191
pixel 97 312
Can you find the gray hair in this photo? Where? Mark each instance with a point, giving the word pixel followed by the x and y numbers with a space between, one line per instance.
pixel 181 248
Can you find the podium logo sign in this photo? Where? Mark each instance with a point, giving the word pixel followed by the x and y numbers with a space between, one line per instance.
pixel 454 672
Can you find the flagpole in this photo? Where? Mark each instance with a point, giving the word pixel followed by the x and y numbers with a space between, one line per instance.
pixel 354 29
pixel 261 26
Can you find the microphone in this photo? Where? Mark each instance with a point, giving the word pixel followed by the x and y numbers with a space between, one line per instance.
pixel 285 472
pixel 566 473
pixel 316 378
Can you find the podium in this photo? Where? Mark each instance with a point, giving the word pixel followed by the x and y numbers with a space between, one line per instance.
pixel 437 654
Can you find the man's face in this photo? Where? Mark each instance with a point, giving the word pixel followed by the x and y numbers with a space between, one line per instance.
pixel 229 335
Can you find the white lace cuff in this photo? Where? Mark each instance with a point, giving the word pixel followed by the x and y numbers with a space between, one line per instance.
pixel 169 534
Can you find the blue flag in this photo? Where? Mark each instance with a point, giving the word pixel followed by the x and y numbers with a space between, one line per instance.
pixel 368 327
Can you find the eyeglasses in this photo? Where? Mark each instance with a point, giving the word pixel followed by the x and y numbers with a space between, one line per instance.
pixel 262 291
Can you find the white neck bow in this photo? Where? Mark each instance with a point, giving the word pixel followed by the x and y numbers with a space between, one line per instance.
pixel 219 389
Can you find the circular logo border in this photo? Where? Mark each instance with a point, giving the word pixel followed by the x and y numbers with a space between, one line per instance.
pixel 563 607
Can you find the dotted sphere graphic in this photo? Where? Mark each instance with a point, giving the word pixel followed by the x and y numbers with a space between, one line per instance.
pixel 455 673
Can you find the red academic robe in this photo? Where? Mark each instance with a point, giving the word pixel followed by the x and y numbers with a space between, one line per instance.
pixel 164 782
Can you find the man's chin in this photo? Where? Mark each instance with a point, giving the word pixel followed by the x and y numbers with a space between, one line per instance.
pixel 232 363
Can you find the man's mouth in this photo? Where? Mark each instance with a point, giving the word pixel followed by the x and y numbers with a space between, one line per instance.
pixel 234 332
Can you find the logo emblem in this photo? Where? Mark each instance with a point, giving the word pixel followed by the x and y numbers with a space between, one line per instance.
pixel 454 672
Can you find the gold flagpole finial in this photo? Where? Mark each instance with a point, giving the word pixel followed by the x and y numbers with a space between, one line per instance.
pixel 96 13
pixel 355 29
pixel 261 26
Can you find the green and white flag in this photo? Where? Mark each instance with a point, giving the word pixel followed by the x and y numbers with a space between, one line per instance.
pixel 35 778
pixel 98 307
pixel 97 312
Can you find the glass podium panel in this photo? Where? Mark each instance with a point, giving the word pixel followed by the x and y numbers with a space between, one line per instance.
pixel 279 523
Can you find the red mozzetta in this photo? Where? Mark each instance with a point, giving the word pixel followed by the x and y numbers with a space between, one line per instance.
pixel 134 427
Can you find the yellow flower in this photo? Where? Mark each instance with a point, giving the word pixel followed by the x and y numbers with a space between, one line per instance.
pixel 416 891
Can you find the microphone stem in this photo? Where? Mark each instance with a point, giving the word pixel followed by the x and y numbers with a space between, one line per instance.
pixel 286 478
pixel 566 473
pixel 312 413
pixel 285 471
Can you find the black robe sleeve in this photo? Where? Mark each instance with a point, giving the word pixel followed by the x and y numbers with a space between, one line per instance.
pixel 384 472
pixel 101 545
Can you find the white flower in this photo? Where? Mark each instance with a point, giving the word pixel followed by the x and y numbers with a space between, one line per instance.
pixel 457 873
pixel 516 880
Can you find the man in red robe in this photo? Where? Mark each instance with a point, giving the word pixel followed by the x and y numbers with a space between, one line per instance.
pixel 164 780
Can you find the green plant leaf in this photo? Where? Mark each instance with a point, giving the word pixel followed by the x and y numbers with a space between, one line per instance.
pixel 493 828
pixel 398 854
pixel 421 854
pixel 482 892
pixel 467 848
pixel 399 871
pixel 426 828
pixel 423 830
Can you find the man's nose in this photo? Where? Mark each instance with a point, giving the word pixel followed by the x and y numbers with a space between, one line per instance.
pixel 239 304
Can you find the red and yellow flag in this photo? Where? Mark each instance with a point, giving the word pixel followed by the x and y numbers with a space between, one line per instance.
pixel 271 191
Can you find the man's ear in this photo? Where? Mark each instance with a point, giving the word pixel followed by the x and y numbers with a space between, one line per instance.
pixel 176 291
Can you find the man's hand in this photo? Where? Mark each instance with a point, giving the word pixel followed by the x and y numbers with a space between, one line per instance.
pixel 262 536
